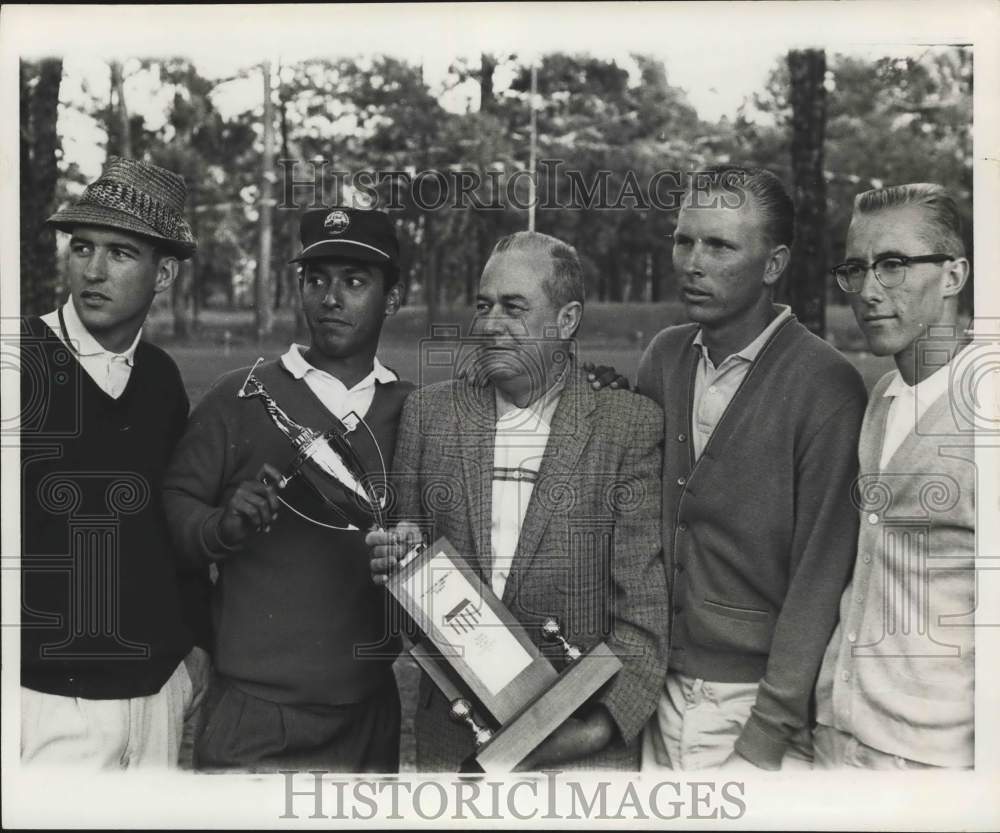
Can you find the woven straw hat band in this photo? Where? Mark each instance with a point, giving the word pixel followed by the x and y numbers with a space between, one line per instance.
pixel 123 197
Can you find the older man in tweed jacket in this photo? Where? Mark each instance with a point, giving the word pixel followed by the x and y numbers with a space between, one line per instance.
pixel 551 492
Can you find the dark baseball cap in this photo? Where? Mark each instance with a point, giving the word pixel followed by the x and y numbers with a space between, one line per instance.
pixel 349 233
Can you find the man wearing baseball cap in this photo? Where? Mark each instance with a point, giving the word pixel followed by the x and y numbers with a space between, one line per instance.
pixel 109 622
pixel 304 665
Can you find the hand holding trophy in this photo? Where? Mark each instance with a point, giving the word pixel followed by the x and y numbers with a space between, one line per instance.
pixel 389 547
pixel 518 708
pixel 251 508
pixel 325 461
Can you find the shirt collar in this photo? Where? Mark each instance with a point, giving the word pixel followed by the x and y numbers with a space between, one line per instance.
pixel 752 350
pixel 84 342
pixel 295 363
pixel 542 408
pixel 929 389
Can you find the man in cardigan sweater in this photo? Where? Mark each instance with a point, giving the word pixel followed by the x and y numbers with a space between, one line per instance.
pixel 109 669
pixel 761 422
pixel 896 689
pixel 302 653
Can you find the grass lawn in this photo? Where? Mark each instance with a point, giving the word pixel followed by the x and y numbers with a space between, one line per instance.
pixel 613 334
pixel 617 337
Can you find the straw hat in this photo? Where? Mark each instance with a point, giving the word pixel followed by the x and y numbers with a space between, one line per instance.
pixel 136 197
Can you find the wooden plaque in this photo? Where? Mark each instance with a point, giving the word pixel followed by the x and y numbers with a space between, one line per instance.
pixel 546 713
pixel 471 630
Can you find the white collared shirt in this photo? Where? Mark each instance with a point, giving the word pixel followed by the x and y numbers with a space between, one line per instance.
pixel 519 445
pixel 109 370
pixel 715 387
pixel 334 394
pixel 908 405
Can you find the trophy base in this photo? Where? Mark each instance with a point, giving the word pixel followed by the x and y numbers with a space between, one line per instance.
pixel 514 741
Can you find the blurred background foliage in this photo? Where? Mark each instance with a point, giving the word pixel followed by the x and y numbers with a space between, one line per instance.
pixel 830 125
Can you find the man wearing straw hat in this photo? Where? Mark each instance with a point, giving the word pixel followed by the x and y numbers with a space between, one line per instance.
pixel 109 664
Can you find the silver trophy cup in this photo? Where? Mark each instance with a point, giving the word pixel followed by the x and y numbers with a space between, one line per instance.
pixel 327 462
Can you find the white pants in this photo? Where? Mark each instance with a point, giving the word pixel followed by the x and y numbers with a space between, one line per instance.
pixel 837 750
pixel 697 722
pixel 108 734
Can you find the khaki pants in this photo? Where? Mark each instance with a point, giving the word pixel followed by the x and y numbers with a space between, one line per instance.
pixel 697 722
pixel 836 750
pixel 111 734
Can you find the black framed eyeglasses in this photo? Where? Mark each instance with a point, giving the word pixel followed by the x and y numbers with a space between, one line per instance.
pixel 890 271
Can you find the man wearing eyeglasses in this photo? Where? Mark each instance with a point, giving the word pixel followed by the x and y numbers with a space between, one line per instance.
pixel 896 688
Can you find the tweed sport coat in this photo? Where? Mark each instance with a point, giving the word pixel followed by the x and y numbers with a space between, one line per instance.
pixel 589 550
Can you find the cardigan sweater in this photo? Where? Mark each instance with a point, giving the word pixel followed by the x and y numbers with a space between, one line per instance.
pixel 759 533
pixel 107 612
pixel 297 617
pixel 899 672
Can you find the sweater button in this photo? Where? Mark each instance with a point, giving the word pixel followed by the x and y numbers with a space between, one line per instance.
pixel 852 637
pixel 681 481
pixel 866 558
pixel 682 527
pixel 680 567
pixel 681 438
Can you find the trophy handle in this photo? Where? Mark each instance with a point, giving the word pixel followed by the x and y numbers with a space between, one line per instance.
pixel 267 480
pixel 351 421
pixel 255 387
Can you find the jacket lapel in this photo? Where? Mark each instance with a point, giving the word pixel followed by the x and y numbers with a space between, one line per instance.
pixel 476 431
pixel 572 425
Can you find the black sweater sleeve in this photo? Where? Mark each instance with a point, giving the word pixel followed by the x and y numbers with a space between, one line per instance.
pixel 194 581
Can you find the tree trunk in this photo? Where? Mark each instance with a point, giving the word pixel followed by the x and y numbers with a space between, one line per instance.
pixel 805 282
pixel 613 270
pixel 473 267
pixel 39 140
pixel 284 287
pixel 119 132
pixel 430 271
pixel 656 276
pixel 184 293
pixel 487 98
pixel 179 295
pixel 264 312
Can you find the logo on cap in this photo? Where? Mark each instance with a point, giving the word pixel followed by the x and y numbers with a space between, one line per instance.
pixel 336 222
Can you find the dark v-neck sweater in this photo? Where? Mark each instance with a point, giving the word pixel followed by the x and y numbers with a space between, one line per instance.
pixel 107 612
pixel 297 617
